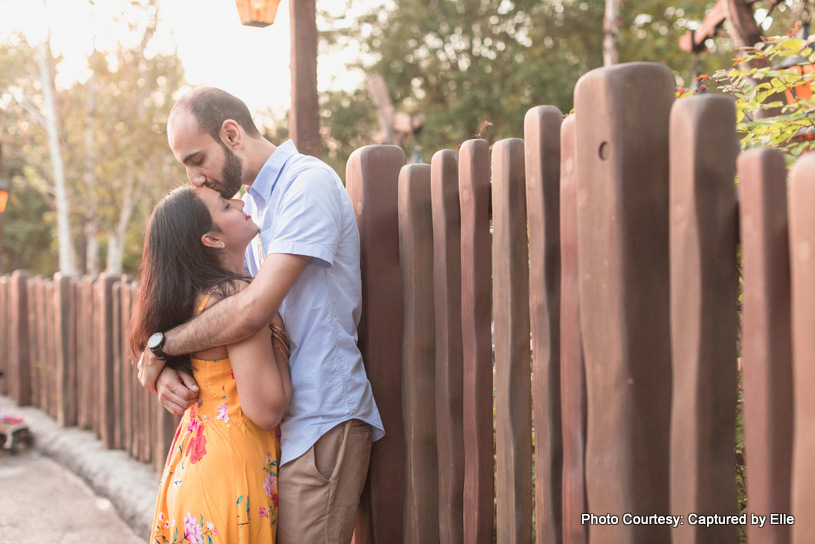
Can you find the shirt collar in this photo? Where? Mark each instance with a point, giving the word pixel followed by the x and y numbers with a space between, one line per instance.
pixel 269 174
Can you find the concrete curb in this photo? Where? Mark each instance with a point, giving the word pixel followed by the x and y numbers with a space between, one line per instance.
pixel 130 485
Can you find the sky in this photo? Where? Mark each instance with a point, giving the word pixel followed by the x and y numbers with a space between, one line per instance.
pixel 251 63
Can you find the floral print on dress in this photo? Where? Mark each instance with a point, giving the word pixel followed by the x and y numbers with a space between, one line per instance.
pixel 203 482
pixel 197 447
pixel 270 481
pixel 223 413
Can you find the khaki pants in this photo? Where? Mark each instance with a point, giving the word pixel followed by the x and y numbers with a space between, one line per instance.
pixel 320 490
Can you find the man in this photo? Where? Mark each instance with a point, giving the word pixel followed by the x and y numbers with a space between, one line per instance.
pixel 305 262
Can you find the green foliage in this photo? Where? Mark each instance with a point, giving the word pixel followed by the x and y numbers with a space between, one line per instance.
pixel 113 142
pixel 760 85
pixel 464 62
pixel 347 120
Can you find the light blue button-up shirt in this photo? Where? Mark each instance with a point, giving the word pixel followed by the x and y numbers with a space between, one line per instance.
pixel 302 208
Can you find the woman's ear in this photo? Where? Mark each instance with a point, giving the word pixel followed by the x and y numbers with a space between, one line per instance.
pixel 211 239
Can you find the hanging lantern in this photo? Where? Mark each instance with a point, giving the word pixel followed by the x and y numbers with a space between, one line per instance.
pixel 803 91
pixel 3 187
pixel 258 13
pixel 801 65
pixel 3 195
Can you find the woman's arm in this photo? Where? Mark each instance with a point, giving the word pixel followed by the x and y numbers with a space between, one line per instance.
pixel 231 320
pixel 262 377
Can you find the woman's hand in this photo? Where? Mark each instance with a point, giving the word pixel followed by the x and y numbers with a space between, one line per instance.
pixel 177 390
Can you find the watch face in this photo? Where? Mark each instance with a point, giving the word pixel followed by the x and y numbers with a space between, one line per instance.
pixel 155 340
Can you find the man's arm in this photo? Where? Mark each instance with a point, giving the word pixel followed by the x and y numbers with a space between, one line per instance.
pixel 231 320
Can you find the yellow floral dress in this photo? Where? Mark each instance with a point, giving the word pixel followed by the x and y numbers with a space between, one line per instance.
pixel 219 484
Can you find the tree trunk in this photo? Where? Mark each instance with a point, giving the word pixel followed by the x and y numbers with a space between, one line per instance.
pixel 744 31
pixel 304 115
pixel 66 246
pixel 611 54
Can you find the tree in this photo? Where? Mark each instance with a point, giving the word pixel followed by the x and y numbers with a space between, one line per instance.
pixel 112 138
pixel 28 86
pixel 610 24
pixel 468 61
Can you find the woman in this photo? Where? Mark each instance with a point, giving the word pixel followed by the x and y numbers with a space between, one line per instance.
pixel 219 482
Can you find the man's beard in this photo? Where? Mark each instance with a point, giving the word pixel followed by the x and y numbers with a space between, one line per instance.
pixel 231 174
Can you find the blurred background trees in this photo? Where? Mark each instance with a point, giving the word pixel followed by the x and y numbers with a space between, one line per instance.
pixel 455 64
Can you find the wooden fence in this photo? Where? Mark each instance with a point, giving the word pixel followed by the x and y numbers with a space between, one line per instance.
pixel 614 256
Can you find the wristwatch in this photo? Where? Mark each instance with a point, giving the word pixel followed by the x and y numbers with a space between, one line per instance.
pixel 155 343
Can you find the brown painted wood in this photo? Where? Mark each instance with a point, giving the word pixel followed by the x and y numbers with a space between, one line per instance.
pixel 36 330
pixel 476 341
pixel 105 346
pixel 116 353
pixel 766 338
pixel 372 177
pixel 704 314
pixel 418 356
pixel 92 354
pixel 513 388
pixel 572 373
pixel 49 342
pixel 19 369
pixel 5 339
pixel 802 265
pixel 165 428
pixel 65 341
pixel 149 407
pixel 128 362
pixel 542 160
pixel 449 372
pixel 622 196
pixel 84 349
pixel 137 397
pixel 95 359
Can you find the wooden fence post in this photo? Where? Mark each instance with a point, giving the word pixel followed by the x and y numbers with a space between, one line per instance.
pixel 165 427
pixel 542 159
pixel 419 356
pixel 149 408
pixel 802 246
pixel 766 340
pixel 65 340
pixel 622 195
pixel 476 340
pixel 19 369
pixel 49 341
pixel 449 377
pixel 704 314
pixel 513 387
pixel 36 332
pixel 128 373
pixel 107 399
pixel 5 334
pixel 85 364
pixel 116 353
pixel 572 371
pixel 372 177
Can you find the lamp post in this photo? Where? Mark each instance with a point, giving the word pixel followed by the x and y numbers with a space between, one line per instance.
pixel 4 189
pixel 304 114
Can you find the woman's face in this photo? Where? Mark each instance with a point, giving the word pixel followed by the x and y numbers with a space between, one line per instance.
pixel 236 228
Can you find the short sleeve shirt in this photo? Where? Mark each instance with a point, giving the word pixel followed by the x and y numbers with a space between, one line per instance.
pixel 302 208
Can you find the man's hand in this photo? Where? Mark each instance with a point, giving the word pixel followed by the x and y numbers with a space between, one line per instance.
pixel 150 367
pixel 177 390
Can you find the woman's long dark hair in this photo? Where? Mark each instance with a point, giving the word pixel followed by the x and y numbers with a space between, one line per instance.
pixel 175 267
